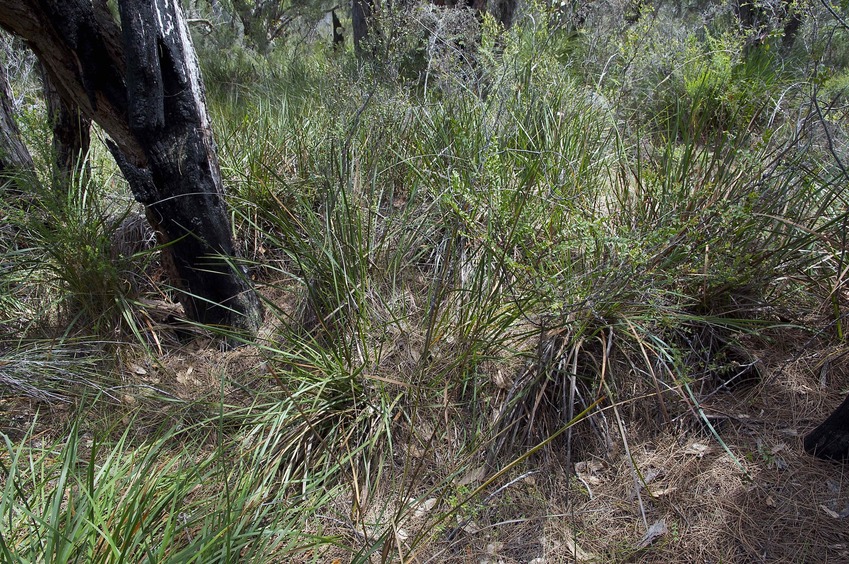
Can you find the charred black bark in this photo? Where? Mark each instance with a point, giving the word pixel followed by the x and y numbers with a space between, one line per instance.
pixel 338 35
pixel 791 28
pixel 141 83
pixel 71 135
pixel 361 20
pixel 831 439
pixel 502 10
pixel 17 172
pixel 167 115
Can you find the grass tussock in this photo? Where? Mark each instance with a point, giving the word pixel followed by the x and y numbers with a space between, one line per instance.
pixel 508 277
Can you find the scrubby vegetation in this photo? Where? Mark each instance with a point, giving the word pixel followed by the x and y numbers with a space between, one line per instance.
pixel 493 264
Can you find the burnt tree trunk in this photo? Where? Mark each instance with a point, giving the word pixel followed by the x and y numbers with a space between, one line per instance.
pixel 17 173
pixel 71 135
pixel 361 20
pixel 338 37
pixel 831 439
pixel 502 10
pixel 141 83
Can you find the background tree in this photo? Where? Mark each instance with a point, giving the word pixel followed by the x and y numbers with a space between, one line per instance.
pixel 361 16
pixel 14 156
pixel 263 20
pixel 338 30
pixel 141 83
pixel 71 134
pixel 761 18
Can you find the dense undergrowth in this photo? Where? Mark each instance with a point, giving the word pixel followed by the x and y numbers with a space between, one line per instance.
pixel 462 257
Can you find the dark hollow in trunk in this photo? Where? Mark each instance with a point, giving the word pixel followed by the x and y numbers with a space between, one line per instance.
pixel 831 439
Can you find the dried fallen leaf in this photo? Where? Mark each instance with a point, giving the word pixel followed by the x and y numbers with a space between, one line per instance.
pixel 698 449
pixel 657 530
pixel 472 477
pixel 502 381
pixel 494 547
pixel 424 507
pixel 662 491
pixel 471 528
pixel 778 448
pixel 186 378
pixel 589 466
pixel 579 554
pixel 587 471
pixel 415 451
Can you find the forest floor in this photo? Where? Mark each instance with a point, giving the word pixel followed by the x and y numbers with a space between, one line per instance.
pixel 661 491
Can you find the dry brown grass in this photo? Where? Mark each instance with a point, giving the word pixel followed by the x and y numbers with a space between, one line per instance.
pixel 778 505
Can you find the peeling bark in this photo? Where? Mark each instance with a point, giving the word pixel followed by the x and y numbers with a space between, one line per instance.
pixel 141 83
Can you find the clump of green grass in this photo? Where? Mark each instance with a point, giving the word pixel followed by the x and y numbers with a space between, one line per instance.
pixel 71 269
pixel 104 495
pixel 527 252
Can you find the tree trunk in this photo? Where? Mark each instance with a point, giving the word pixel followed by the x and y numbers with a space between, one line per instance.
pixel 338 36
pixel 792 23
pixel 831 439
pixel 361 19
pixel 760 22
pixel 71 135
pixel 14 156
pixel 17 172
pixel 502 10
pixel 141 83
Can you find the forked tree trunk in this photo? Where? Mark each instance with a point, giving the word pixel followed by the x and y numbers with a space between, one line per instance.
pixel 141 83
